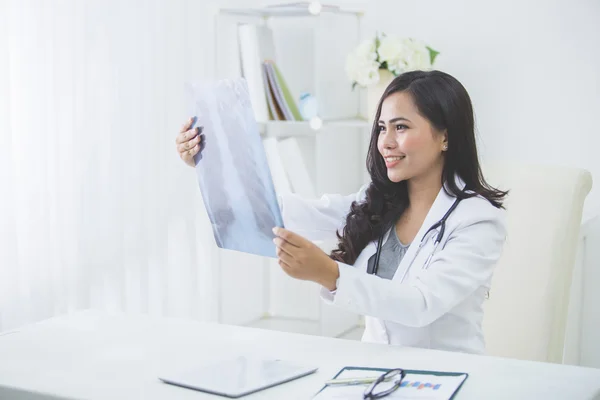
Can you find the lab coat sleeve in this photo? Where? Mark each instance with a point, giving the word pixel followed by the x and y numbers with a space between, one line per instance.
pixel 317 219
pixel 462 266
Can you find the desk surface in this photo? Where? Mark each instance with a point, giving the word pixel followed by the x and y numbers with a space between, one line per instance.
pixel 91 355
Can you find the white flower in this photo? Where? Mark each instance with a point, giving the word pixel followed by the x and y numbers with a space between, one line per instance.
pixel 361 70
pixel 398 54
pixel 361 64
pixel 417 56
pixel 398 66
pixel 392 50
pixel 366 50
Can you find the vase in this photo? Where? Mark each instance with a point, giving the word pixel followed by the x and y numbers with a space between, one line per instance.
pixel 375 91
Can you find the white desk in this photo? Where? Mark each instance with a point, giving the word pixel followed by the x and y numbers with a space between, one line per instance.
pixel 95 356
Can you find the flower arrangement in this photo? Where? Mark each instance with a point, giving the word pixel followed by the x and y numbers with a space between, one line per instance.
pixel 387 52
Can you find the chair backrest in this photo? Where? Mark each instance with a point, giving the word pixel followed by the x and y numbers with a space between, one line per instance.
pixel 526 313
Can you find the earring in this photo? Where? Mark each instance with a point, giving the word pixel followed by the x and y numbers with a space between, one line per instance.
pixel 445 147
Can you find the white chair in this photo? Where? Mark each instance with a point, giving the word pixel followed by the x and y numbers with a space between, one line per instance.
pixel 526 313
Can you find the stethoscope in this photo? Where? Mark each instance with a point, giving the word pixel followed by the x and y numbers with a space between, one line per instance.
pixel 441 224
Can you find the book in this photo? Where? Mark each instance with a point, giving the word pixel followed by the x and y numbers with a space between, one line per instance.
pixel 275 111
pixel 270 95
pixel 274 87
pixel 281 101
pixel 287 95
pixel 256 45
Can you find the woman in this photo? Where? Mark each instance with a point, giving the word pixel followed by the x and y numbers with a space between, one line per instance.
pixel 424 169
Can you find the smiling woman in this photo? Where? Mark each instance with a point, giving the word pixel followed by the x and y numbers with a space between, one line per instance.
pixel 428 220
pixel 423 138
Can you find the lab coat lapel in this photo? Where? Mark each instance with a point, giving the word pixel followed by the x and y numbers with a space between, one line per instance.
pixel 442 203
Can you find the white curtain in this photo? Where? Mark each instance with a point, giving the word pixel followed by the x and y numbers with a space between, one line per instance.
pixel 96 209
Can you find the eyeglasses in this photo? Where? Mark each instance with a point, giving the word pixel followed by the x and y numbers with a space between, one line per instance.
pixel 385 384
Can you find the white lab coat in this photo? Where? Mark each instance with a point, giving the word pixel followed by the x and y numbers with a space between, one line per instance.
pixel 439 307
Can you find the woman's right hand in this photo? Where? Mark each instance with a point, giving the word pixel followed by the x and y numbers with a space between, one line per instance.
pixel 189 142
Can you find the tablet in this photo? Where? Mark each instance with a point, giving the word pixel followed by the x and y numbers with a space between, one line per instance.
pixel 232 169
pixel 238 376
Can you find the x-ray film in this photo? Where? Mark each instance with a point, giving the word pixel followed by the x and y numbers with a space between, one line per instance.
pixel 232 169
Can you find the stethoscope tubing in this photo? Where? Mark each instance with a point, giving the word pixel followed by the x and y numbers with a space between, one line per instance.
pixel 441 224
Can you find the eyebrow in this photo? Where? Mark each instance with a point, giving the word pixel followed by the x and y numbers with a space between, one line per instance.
pixel 391 121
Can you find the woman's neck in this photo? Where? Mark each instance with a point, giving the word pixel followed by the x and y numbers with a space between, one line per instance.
pixel 422 192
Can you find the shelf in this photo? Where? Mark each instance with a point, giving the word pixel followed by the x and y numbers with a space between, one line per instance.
pixel 303 128
pixel 287 11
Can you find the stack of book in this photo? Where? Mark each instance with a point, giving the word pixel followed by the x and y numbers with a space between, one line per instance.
pixel 272 100
pixel 270 95
pixel 282 106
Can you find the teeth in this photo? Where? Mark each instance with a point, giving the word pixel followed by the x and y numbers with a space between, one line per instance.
pixel 390 159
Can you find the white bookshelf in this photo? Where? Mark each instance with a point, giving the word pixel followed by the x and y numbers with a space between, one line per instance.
pixel 303 128
pixel 311 57
pixel 288 11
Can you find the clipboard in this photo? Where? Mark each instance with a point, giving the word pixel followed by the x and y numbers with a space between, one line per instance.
pixel 409 372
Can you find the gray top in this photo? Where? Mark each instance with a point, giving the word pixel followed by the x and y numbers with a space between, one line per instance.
pixel 392 253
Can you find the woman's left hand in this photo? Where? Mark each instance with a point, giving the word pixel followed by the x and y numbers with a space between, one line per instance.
pixel 302 259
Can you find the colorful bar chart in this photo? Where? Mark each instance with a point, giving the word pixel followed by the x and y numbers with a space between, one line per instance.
pixel 421 385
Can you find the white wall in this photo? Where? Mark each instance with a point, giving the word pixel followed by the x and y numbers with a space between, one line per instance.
pixel 532 69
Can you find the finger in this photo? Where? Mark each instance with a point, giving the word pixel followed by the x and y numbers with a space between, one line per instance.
pixel 283 247
pixel 187 135
pixel 287 258
pixel 290 237
pixel 183 147
pixel 284 265
pixel 187 155
pixel 187 125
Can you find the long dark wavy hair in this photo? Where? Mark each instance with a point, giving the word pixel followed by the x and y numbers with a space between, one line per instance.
pixel 445 103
